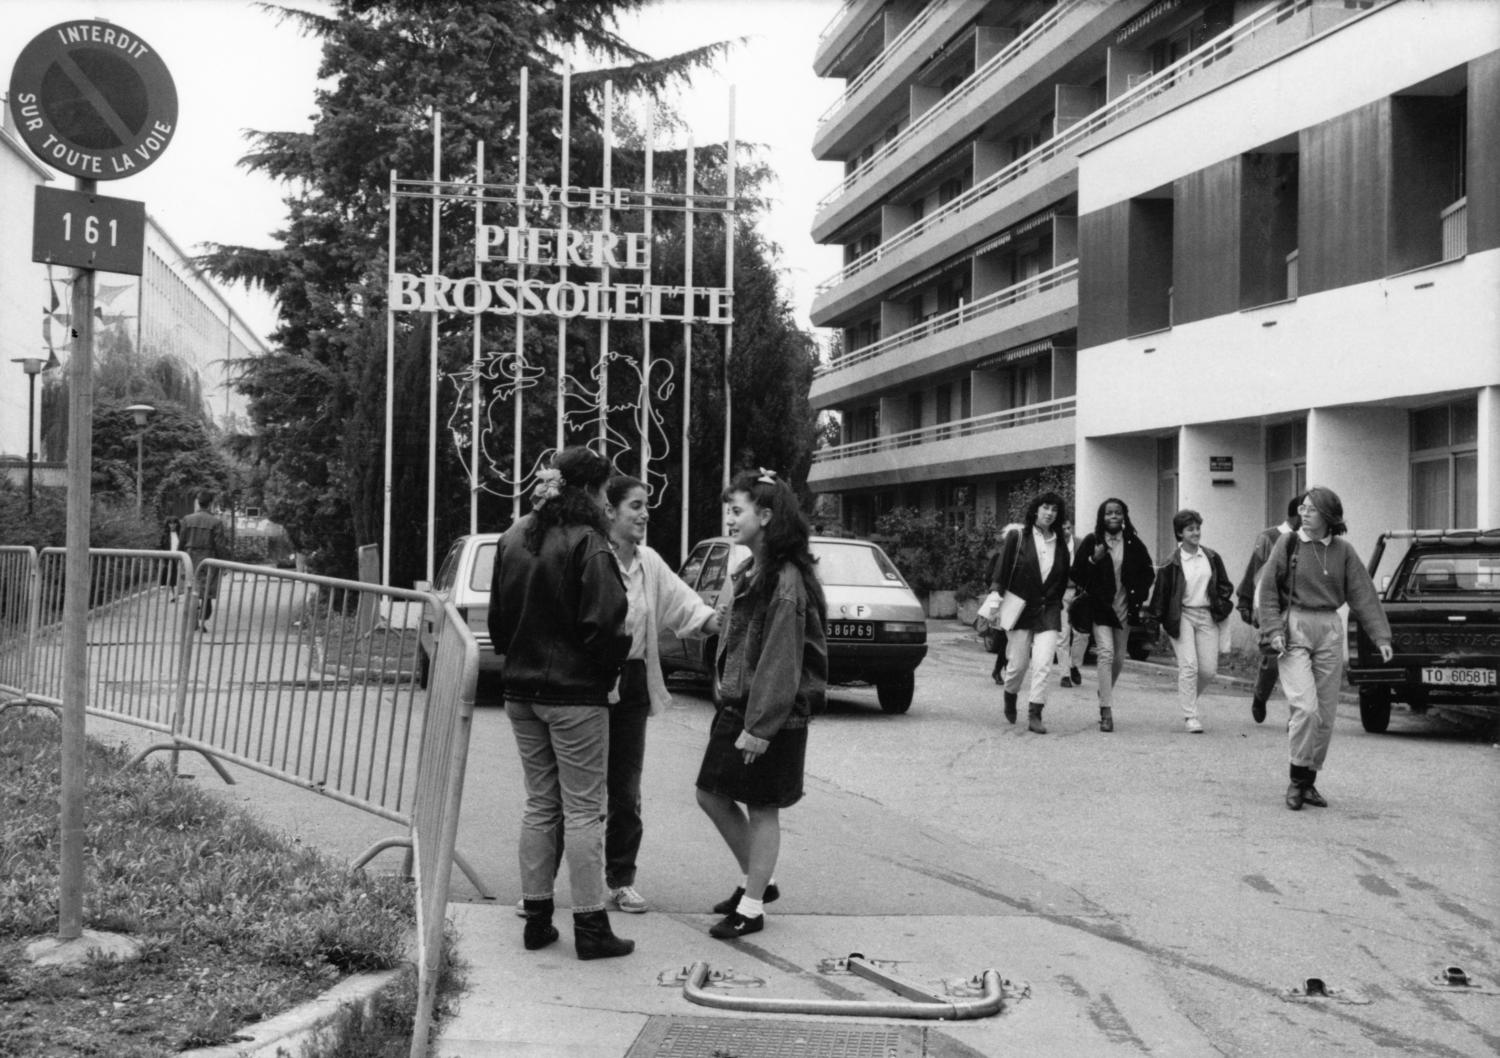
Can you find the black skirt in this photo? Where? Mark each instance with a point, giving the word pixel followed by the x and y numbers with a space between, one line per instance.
pixel 773 781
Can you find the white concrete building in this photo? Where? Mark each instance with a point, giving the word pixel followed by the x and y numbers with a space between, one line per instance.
pixel 173 310
pixel 1294 279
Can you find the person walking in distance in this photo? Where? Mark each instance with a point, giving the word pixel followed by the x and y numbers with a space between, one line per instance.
pixel 203 538
pixel 557 615
pixel 1073 643
pixel 171 540
pixel 1265 677
pixel 770 673
pixel 657 599
pixel 1113 570
pixel 1192 595
pixel 1310 574
pixel 1035 560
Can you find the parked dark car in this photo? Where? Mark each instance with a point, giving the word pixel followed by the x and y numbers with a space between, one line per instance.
pixel 877 629
pixel 1443 603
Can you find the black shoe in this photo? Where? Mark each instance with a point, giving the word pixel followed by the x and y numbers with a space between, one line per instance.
pixel 1310 796
pixel 1106 718
pixel 1258 709
pixel 1067 681
pixel 1034 720
pixel 1010 707
pixel 539 931
pixel 1077 676
pixel 735 925
pixel 593 939
pixel 1294 796
pixel 728 907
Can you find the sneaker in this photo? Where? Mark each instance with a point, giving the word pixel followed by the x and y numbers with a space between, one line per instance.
pixel 625 898
pixel 735 925
pixel 1193 726
pixel 726 907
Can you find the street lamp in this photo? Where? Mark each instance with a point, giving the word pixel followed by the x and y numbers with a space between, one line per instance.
pixel 33 366
pixel 140 411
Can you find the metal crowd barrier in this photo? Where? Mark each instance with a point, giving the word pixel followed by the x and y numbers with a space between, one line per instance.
pixel 17 621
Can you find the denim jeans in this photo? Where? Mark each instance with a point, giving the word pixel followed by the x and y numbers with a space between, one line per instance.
pixel 1109 660
pixel 1025 650
pixel 1311 670
pixel 624 829
pixel 563 757
pixel 1197 648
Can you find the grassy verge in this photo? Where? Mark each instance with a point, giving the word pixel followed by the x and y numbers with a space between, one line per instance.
pixel 236 923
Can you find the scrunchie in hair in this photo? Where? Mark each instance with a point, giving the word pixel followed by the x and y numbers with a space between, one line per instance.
pixel 548 484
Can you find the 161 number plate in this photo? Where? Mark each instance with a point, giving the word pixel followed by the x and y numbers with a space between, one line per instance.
pixel 1459 677
pixel 851 630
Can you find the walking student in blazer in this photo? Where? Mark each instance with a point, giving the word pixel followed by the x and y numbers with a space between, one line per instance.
pixel 1034 564
pixel 1265 678
pixel 1310 574
pixel 1112 569
pixel 1192 596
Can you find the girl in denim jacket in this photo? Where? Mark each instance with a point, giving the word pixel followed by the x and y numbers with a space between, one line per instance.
pixel 770 673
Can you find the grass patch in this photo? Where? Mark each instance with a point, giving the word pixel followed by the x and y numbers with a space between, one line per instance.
pixel 237 923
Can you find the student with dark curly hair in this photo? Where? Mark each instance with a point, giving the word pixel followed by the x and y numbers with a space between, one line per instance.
pixel 557 614
pixel 1310 574
pixel 770 673
pixel 1113 571
pixel 1034 564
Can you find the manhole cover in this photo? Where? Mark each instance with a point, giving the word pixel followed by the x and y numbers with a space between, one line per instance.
pixel 675 1037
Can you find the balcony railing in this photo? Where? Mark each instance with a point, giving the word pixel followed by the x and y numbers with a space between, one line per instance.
pixel 1074 135
pixel 838 17
pixel 961 96
pixel 863 78
pixel 979 424
pixel 1456 229
pixel 1027 288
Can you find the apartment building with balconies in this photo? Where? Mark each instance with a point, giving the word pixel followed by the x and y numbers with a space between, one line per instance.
pixel 1294 279
pixel 961 128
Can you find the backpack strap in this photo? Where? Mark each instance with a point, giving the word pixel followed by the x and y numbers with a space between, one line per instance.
pixel 1286 584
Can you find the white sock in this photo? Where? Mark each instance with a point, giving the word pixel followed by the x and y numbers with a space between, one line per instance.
pixel 750 908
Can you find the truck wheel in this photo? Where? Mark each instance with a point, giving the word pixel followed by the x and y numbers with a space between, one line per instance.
pixel 424 668
pixel 895 692
pixel 1375 709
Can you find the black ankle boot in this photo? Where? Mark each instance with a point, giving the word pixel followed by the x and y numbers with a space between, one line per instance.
pixel 539 931
pixel 1010 707
pixel 1034 720
pixel 593 939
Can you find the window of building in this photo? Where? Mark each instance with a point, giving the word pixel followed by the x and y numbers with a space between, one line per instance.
pixel 1268 227
pixel 914 410
pixel 1428 215
pixel 1445 466
pixel 942 411
pixel 1148 289
pixel 864 424
pixel 1286 466
pixel 1166 495
pixel 956 504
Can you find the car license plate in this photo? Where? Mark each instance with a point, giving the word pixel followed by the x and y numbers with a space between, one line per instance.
pixel 1459 677
pixel 851 630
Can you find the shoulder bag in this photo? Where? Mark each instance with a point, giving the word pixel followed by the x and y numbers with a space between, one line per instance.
pixel 1012 605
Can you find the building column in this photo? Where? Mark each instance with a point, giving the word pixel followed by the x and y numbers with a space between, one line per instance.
pixel 1116 466
pixel 1489 457
pixel 1364 455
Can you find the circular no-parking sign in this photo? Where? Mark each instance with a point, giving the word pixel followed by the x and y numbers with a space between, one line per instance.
pixel 93 100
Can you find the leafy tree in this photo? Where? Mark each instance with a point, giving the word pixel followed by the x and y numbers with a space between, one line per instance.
pixel 318 402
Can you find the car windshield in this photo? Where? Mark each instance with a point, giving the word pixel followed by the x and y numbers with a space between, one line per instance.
pixel 449 569
pixel 484 568
pixel 1463 575
pixel 858 565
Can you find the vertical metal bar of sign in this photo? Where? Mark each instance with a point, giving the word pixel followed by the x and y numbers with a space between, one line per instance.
pixel 644 411
pixel 562 240
pixel 478 341
pixel 75 694
pixel 731 225
pixel 432 366
pixel 518 486
pixel 689 181
pixel 604 218
pixel 390 379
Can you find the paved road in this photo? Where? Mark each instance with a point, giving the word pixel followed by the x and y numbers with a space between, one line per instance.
pixel 1148 885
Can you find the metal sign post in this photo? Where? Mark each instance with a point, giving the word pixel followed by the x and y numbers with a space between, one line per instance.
pixel 95 101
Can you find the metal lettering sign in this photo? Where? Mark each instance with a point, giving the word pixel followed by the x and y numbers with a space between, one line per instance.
pixel 93 100
pixel 88 231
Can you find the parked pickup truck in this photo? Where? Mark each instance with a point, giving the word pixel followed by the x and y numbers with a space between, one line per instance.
pixel 1443 603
